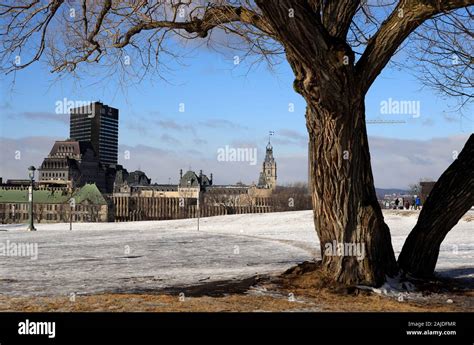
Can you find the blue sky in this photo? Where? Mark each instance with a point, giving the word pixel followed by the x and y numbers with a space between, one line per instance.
pixel 224 105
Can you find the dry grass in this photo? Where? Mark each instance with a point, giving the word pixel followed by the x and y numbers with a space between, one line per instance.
pixel 321 301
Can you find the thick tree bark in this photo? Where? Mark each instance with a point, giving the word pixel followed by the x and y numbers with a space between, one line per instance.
pixel 346 210
pixel 452 196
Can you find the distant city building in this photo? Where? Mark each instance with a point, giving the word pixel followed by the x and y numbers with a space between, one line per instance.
pixel 268 176
pixel 193 185
pixel 85 167
pixel 125 181
pixel 52 205
pixel 191 179
pixel 73 164
pixel 97 124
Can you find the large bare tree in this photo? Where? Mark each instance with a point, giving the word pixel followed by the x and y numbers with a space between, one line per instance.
pixel 336 49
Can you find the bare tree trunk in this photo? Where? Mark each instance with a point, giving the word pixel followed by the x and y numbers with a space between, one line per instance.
pixel 452 196
pixel 346 211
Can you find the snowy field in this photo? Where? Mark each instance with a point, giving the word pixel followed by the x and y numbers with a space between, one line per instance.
pixel 148 256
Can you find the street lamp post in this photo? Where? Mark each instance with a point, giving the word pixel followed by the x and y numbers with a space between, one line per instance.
pixel 72 204
pixel 31 173
pixel 198 209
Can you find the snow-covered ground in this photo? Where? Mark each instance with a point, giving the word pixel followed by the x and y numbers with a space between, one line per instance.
pixel 147 256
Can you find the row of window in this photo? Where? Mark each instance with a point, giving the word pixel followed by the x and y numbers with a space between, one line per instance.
pixel 53 175
pixel 80 128
pixel 82 133
pixel 108 139
pixel 64 154
pixel 19 216
pixel 24 216
pixel 110 123
pixel 108 119
pixel 19 207
pixel 53 165
pixel 108 135
pixel 110 143
pixel 75 217
pixel 14 208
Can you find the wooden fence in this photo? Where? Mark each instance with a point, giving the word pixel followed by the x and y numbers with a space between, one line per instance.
pixel 161 208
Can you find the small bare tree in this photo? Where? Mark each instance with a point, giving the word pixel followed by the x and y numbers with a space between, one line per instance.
pixel 292 197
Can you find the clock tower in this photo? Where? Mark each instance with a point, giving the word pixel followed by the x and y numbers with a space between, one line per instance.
pixel 268 176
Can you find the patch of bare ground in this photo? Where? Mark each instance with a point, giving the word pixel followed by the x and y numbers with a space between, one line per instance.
pixel 305 287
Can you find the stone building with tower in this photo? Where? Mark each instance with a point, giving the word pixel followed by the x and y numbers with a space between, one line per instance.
pixel 268 176
pixel 193 185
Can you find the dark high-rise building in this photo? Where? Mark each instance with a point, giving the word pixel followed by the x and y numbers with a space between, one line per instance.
pixel 97 123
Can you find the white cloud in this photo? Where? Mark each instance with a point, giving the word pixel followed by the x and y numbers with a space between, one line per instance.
pixel 396 162
pixel 16 155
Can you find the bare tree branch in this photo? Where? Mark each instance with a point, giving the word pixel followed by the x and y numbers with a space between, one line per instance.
pixel 444 48
pixel 109 25
pixel 405 18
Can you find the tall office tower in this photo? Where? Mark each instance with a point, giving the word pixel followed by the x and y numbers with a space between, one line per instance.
pixel 97 123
